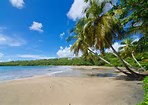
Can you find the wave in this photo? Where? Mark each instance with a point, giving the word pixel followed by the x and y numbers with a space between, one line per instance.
pixel 57 72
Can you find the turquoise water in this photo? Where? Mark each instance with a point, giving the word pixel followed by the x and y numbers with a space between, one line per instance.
pixel 16 72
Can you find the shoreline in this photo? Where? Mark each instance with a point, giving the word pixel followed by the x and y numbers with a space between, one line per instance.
pixel 50 90
pixel 97 68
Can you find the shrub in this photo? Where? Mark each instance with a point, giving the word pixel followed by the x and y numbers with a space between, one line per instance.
pixel 145 101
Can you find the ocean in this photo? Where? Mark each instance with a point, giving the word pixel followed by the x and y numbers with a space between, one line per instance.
pixel 17 72
pixel 8 73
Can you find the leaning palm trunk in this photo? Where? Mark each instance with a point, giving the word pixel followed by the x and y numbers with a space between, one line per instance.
pixel 124 61
pixel 133 74
pixel 110 64
pixel 127 63
pixel 137 61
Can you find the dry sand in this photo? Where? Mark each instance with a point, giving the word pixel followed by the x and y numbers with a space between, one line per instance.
pixel 70 91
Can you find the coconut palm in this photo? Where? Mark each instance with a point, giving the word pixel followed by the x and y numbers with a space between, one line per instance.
pixel 82 44
pixel 105 28
pixel 128 48
pixel 100 30
pixel 142 45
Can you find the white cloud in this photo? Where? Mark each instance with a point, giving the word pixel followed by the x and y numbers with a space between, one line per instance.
pixel 17 3
pixel 77 10
pixel 136 40
pixel 30 56
pixel 66 52
pixel 7 58
pixel 11 41
pixel 36 26
pixel 107 7
pixel 62 35
pixel 116 46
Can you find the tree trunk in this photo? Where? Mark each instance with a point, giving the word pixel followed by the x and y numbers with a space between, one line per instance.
pixel 136 61
pixel 110 64
pixel 114 66
pixel 127 63
pixel 133 74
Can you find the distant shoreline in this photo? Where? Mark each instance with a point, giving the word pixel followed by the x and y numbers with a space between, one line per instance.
pixel 78 62
pixel 21 72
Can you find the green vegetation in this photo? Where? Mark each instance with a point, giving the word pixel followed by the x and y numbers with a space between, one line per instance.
pixel 99 30
pixel 128 48
pixel 133 12
pixel 142 58
pixel 44 62
pixel 145 101
pixel 142 45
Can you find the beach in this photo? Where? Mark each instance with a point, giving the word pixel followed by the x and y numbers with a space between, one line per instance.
pixel 46 90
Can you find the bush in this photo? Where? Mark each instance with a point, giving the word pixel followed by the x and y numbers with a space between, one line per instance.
pixel 100 63
pixel 145 101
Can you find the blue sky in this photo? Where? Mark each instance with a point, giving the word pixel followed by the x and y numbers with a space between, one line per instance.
pixel 33 29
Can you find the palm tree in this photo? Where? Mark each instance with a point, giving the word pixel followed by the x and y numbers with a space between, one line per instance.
pixel 100 30
pixel 105 28
pixel 142 45
pixel 83 44
pixel 128 48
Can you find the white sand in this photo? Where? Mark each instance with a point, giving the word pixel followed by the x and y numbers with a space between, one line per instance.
pixel 70 91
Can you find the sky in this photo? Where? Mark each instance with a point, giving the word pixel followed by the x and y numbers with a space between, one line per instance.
pixel 33 29
pixel 37 29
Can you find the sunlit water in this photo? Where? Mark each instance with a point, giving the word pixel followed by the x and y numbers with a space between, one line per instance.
pixel 16 72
